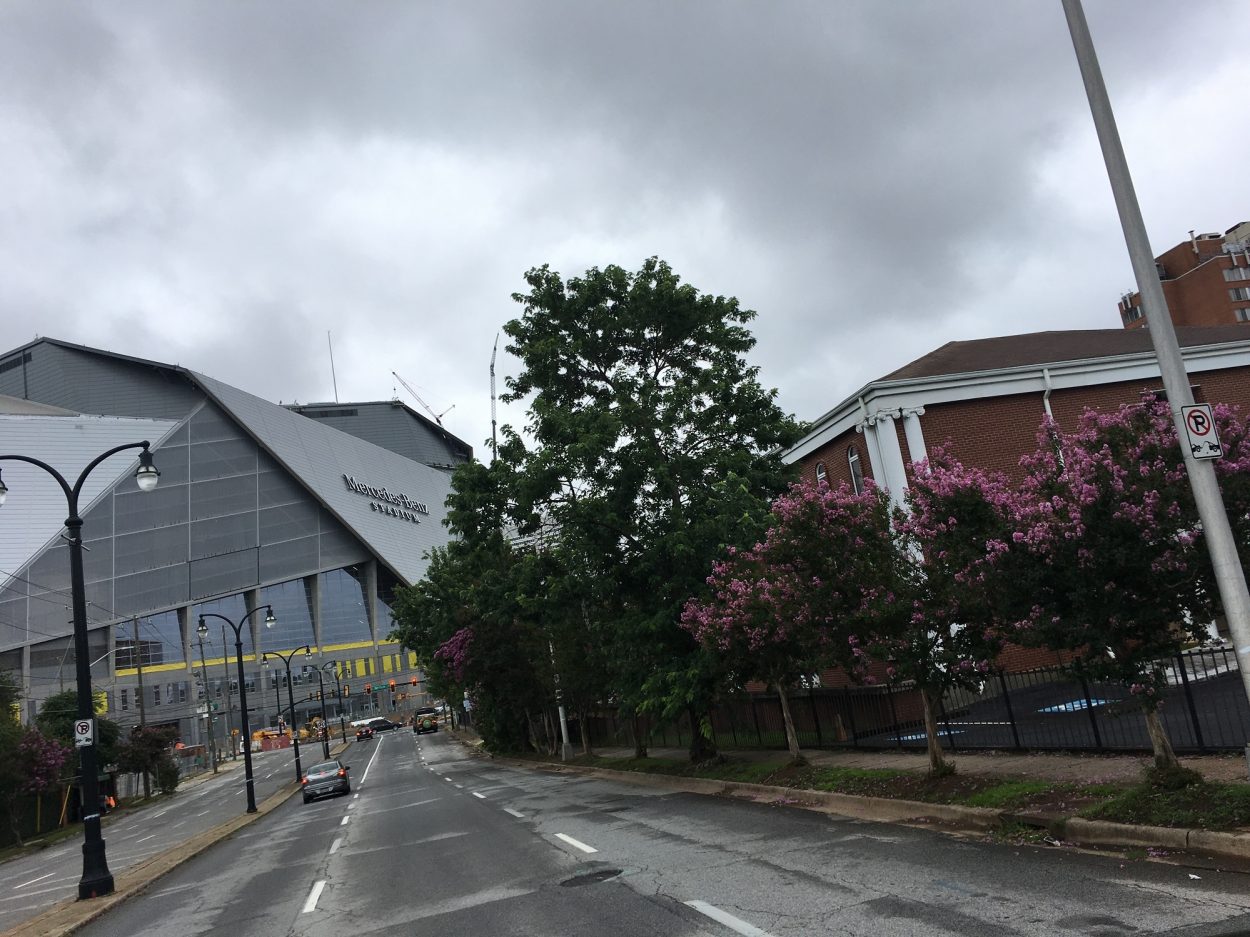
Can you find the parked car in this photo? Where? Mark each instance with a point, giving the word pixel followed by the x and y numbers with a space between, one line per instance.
pixel 325 779
pixel 425 720
pixel 364 734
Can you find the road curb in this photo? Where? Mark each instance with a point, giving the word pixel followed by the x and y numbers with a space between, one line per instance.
pixel 1073 830
pixel 72 913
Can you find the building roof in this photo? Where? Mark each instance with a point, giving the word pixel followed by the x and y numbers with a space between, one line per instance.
pixel 16 406
pixel 317 455
pixel 1020 364
pixel 1041 348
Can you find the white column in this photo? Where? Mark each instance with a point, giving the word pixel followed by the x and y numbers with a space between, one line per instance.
pixel 916 450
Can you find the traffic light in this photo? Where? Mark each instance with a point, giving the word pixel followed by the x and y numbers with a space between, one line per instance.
pixel 413 681
pixel 368 687
pixel 347 689
pixel 392 684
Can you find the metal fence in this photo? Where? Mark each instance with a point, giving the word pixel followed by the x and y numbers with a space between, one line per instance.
pixel 1204 709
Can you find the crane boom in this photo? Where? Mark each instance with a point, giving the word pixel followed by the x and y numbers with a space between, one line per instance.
pixel 494 446
pixel 438 417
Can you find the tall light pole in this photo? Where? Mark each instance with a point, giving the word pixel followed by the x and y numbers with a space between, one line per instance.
pixel 96 879
pixel 208 703
pixel 325 724
pixel 202 629
pixel 286 659
pixel 332 667
pixel 1230 578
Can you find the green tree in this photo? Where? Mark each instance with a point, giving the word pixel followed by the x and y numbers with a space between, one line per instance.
pixel 641 408
pixel 147 752
pixel 56 720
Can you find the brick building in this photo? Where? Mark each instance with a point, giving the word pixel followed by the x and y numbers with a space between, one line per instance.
pixel 984 401
pixel 1206 281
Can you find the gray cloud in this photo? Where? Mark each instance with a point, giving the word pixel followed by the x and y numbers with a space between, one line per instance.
pixel 221 184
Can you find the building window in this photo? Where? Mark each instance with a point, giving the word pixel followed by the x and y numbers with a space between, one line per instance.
pixel 156 695
pixel 857 469
pixel 182 692
pixel 1236 273
pixel 1242 313
pixel 1132 313
pixel 125 699
pixel 822 477
pixel 1239 292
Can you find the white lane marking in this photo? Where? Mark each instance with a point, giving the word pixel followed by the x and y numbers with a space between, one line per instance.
pixel 476 794
pixel 33 880
pixel 334 846
pixel 355 796
pixel 515 813
pixel 202 813
pixel 460 787
pixel 572 842
pixel 447 779
pixel 311 903
pixel 724 917
pixel 370 764
pixel 145 839
pixel 344 823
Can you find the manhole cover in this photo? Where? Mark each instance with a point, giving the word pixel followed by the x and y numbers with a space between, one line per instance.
pixel 590 878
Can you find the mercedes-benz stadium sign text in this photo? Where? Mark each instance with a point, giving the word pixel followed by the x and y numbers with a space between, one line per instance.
pixel 396 504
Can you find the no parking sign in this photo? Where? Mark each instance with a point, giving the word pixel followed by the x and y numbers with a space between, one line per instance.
pixel 84 732
pixel 1200 430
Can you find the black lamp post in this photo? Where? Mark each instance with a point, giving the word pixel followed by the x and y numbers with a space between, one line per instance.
pixel 202 629
pixel 332 667
pixel 96 879
pixel 286 659
pixel 325 724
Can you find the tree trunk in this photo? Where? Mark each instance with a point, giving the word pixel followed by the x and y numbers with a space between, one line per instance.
pixel 701 748
pixel 583 726
pixel 640 738
pixel 792 737
pixel 937 763
pixel 1164 756
pixel 147 785
pixel 533 732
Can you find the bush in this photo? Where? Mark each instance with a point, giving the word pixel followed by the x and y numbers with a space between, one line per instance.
pixel 167 775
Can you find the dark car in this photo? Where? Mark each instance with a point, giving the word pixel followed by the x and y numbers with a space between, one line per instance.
pixel 364 734
pixel 382 725
pixel 324 779
pixel 425 720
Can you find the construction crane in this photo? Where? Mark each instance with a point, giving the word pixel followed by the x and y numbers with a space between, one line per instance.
pixel 438 417
pixel 494 446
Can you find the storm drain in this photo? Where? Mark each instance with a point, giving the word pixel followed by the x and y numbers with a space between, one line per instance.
pixel 590 878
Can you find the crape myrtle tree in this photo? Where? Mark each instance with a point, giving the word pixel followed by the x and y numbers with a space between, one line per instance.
pixel 807 596
pixel 1117 578
pixel 949 634
pixel 640 400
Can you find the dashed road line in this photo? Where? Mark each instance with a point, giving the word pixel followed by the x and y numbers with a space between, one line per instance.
pixel 515 813
pixel 481 796
pixel 724 917
pixel 334 846
pixel 311 903
pixel 576 843
pixel 344 823
pixel 33 880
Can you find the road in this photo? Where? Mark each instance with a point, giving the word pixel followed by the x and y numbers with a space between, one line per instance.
pixel 35 882
pixel 435 841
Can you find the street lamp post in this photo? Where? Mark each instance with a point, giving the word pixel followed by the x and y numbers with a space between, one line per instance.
pixel 202 629
pixel 96 879
pixel 325 724
pixel 286 659
pixel 208 703
pixel 332 667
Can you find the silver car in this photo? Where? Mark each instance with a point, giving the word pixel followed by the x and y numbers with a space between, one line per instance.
pixel 324 779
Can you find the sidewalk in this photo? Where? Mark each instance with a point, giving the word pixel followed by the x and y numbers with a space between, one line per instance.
pixel 1053 766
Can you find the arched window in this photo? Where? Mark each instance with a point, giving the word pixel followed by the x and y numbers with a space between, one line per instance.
pixel 857 470
pixel 822 477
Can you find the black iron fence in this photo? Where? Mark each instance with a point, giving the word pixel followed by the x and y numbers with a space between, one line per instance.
pixel 1204 709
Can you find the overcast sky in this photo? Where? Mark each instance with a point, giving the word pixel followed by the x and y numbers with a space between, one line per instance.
pixel 220 184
